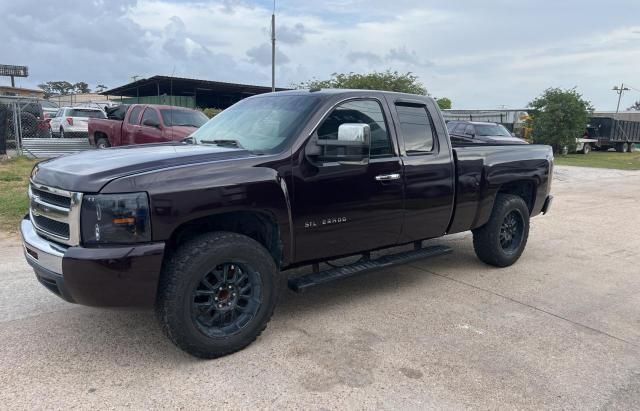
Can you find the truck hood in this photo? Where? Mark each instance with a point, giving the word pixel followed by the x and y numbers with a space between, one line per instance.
pixel 177 133
pixel 89 171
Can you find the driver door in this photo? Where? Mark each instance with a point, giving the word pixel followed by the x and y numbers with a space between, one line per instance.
pixel 343 208
pixel 148 133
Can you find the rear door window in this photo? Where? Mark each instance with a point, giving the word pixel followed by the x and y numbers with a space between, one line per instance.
pixel 135 115
pixel 416 129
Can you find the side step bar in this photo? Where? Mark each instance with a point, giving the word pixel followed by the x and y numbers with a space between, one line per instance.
pixel 299 284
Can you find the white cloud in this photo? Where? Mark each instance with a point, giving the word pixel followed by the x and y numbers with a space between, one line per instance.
pixel 480 54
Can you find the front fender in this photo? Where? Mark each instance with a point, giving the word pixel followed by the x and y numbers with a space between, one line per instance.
pixel 188 193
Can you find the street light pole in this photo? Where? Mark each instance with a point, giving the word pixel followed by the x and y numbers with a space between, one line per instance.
pixel 273 48
pixel 620 90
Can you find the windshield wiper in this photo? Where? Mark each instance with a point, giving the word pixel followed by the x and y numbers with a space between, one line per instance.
pixel 223 143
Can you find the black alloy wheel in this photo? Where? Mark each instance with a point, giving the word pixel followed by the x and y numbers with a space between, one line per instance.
pixel 511 231
pixel 501 241
pixel 217 292
pixel 226 299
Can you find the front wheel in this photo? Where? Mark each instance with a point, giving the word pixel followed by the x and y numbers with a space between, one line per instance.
pixel 585 149
pixel 501 241
pixel 216 294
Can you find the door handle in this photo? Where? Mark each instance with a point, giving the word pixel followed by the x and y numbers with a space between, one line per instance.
pixel 388 177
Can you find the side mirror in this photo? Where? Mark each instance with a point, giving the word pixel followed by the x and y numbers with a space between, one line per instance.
pixel 351 146
pixel 151 123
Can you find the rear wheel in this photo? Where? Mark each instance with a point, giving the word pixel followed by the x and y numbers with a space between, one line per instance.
pixel 216 294
pixel 103 143
pixel 501 241
pixel 61 132
pixel 632 148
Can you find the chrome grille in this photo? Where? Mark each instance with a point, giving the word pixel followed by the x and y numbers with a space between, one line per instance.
pixel 55 213
pixel 52 198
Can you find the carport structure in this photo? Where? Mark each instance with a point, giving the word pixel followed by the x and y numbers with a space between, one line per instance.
pixel 185 92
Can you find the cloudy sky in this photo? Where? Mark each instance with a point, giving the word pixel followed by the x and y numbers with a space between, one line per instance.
pixel 481 54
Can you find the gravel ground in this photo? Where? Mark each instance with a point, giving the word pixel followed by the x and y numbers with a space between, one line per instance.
pixel 560 329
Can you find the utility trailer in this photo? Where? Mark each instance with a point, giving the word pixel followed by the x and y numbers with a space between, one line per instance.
pixel 612 132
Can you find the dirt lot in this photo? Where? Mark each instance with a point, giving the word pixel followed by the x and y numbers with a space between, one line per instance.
pixel 560 329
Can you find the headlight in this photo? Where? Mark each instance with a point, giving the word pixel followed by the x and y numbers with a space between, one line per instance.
pixel 115 219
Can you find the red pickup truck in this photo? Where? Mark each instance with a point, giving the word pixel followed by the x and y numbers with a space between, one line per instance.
pixel 144 123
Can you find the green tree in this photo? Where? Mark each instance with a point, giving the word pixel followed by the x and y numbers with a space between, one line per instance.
pixel 444 103
pixel 211 112
pixel 387 80
pixel 47 88
pixel 100 88
pixel 81 88
pixel 635 106
pixel 558 117
pixel 63 88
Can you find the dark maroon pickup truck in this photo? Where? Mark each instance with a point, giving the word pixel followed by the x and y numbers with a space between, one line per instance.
pixel 205 229
pixel 145 123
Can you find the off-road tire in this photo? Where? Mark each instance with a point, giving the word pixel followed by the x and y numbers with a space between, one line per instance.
pixel 486 239
pixel 183 270
pixel 632 148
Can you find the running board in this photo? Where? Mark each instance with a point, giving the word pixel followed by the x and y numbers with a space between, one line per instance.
pixel 300 284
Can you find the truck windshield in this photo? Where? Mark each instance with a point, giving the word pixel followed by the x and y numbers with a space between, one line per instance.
pixel 188 118
pixel 262 124
pixel 492 130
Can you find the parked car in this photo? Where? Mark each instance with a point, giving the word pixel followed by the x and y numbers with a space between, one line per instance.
pixel 203 229
pixel 477 132
pixel 144 123
pixel 49 108
pixel 73 121
pixel 27 114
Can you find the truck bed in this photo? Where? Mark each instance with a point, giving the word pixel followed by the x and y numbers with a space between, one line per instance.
pixel 106 127
pixel 482 170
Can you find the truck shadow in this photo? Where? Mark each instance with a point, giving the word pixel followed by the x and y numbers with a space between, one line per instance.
pixel 132 338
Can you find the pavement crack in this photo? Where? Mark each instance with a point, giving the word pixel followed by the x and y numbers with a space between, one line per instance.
pixel 528 305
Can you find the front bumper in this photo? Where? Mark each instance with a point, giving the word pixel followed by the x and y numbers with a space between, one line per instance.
pixel 125 276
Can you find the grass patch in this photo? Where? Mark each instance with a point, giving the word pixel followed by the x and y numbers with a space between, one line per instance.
pixel 599 159
pixel 14 203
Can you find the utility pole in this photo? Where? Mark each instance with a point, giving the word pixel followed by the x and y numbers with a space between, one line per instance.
pixel 620 90
pixel 273 48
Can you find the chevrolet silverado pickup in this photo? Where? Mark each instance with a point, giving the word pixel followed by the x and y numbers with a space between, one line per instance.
pixel 204 230
pixel 143 124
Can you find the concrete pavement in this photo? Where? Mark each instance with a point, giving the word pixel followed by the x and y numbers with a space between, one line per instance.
pixel 559 329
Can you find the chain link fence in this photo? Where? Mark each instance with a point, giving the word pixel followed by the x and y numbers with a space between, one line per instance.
pixel 20 119
pixel 24 130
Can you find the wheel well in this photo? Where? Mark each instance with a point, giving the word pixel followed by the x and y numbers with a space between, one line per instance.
pixel 523 189
pixel 99 134
pixel 259 226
